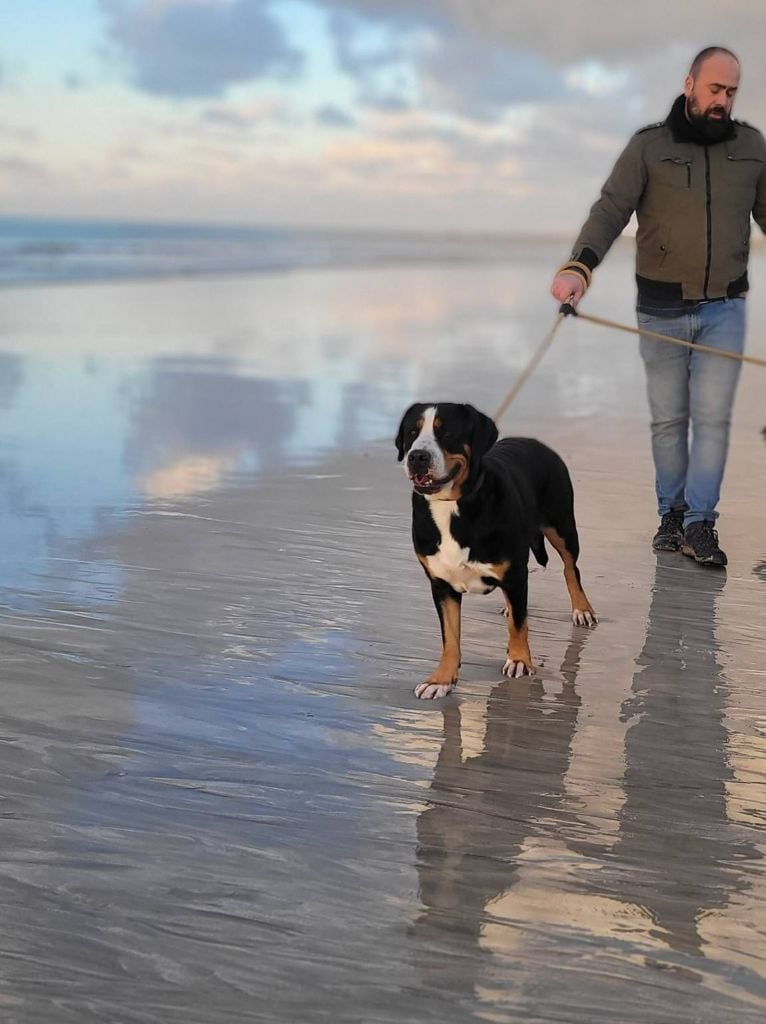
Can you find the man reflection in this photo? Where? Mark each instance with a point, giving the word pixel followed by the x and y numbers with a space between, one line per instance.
pixel 481 811
pixel 677 854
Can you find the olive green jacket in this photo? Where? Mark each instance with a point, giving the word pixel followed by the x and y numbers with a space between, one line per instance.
pixel 693 204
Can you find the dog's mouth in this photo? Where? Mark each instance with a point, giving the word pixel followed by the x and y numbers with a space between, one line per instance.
pixel 426 483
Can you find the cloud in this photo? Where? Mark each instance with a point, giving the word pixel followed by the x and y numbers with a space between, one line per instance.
pixel 478 56
pixel 333 117
pixel 268 109
pixel 19 167
pixel 600 30
pixel 14 132
pixel 73 81
pixel 463 74
pixel 377 56
pixel 187 48
pixel 438 60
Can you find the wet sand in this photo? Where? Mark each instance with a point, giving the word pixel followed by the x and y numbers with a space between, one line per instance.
pixel 221 800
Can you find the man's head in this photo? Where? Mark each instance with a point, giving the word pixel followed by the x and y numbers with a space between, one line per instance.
pixel 710 88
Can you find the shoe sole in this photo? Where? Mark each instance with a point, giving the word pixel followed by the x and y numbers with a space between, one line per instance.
pixel 666 546
pixel 711 560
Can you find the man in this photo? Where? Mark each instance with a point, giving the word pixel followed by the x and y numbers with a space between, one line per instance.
pixel 694 180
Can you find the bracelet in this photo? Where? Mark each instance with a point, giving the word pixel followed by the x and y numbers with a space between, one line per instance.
pixel 575 267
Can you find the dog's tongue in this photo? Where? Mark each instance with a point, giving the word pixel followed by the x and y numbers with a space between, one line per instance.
pixel 423 480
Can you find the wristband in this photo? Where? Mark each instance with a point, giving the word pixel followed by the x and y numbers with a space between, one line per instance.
pixel 575 267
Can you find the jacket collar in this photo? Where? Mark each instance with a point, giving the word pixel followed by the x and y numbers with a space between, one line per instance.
pixel 684 131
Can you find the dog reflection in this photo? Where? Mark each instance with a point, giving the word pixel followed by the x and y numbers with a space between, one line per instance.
pixel 482 809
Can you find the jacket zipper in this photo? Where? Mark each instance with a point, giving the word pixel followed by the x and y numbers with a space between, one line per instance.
pixel 709 222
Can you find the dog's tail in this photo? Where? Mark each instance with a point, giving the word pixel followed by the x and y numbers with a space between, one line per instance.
pixel 538 550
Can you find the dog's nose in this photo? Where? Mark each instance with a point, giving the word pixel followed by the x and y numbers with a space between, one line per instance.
pixel 419 460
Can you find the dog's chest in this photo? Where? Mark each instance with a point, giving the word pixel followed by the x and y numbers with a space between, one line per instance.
pixel 451 562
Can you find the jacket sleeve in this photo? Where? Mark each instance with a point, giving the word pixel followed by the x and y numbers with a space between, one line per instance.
pixel 610 213
pixel 759 207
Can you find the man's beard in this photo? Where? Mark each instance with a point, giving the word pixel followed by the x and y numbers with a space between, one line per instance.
pixel 712 128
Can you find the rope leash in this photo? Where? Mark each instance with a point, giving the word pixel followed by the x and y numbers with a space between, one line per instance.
pixel 529 369
pixel 568 310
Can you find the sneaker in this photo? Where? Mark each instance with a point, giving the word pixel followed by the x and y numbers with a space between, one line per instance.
pixel 670 535
pixel 701 544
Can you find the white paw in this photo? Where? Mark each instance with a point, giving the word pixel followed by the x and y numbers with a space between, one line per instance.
pixel 516 669
pixel 581 618
pixel 433 691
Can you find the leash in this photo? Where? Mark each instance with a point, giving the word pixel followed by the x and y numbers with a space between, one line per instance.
pixel 566 309
pixel 531 366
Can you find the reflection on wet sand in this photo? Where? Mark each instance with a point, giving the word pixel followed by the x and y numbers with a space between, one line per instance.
pixel 212 766
pixel 678 855
pixel 483 808
pixel 666 894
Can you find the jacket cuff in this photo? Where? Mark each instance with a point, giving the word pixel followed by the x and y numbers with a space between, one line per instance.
pixel 586 256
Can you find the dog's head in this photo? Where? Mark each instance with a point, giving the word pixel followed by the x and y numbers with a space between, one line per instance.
pixel 442 445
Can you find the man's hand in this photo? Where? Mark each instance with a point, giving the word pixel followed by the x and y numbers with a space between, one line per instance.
pixel 568 288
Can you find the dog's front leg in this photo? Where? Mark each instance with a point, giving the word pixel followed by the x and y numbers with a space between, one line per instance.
pixel 444 677
pixel 519 660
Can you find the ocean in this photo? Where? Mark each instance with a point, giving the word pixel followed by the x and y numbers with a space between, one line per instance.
pixel 37 251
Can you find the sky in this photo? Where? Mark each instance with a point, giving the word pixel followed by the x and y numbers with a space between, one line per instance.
pixel 452 115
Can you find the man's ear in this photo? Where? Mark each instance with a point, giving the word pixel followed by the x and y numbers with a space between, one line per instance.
pixel 483 432
pixel 400 436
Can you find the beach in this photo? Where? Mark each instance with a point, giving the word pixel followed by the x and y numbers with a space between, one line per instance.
pixel 221 799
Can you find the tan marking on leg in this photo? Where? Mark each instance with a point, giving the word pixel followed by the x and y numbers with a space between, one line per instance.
pixel 519 655
pixel 444 677
pixel 582 609
pixel 446 671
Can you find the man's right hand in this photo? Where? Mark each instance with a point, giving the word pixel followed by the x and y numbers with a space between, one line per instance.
pixel 568 288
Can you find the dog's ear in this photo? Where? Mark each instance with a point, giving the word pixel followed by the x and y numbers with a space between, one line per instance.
pixel 400 436
pixel 483 432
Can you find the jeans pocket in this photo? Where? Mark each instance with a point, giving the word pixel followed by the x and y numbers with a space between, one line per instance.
pixel 646 319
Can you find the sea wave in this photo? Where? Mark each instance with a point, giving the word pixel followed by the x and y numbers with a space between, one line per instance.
pixel 36 251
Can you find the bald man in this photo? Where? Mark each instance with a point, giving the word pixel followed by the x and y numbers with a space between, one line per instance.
pixel 694 180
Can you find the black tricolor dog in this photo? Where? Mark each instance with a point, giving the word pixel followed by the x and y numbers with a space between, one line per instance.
pixel 478 506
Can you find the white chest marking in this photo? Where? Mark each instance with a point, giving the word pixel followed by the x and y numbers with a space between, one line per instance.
pixel 451 562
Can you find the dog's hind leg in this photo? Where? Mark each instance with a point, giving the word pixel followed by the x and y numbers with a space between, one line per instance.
pixel 519 660
pixel 568 546
pixel 444 677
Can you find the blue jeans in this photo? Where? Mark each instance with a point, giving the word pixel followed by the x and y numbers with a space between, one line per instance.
pixel 692 388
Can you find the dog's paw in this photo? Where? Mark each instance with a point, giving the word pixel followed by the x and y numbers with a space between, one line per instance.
pixel 517 669
pixel 433 691
pixel 584 618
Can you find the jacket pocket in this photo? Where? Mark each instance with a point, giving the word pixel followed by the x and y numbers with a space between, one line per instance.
pixel 743 172
pixel 675 171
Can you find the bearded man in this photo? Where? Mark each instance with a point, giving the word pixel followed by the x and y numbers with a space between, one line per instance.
pixel 694 180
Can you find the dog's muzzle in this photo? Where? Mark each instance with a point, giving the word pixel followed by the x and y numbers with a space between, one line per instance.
pixel 420 472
